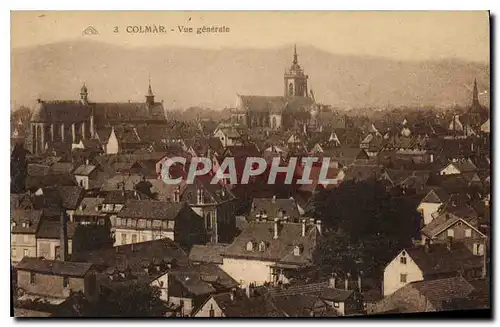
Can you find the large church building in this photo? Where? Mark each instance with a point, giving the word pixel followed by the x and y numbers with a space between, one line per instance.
pixel 277 112
pixel 72 121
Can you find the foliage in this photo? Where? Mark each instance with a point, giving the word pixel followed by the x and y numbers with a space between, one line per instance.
pixel 18 169
pixel 131 300
pixel 364 227
pixel 92 237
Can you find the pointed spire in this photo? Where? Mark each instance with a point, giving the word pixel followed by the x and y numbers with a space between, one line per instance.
pixel 150 91
pixel 295 61
pixel 475 99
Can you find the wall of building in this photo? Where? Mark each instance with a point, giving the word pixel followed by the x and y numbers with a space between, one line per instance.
pixel 393 271
pixel 459 232
pixel 82 181
pixel 427 209
pixel 248 271
pixel 48 285
pixel 47 247
pixel 204 311
pixel 140 235
pixel 162 283
pixel 20 243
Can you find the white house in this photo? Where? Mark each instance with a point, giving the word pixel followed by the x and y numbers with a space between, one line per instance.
pixel 431 203
pixel 271 251
pixel 431 261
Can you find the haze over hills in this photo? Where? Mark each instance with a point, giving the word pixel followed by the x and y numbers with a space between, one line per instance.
pixel 185 77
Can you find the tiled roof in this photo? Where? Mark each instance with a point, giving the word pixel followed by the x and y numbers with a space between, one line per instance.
pixel 278 250
pixel 62 168
pixel 259 103
pixel 210 253
pixel 49 229
pixel 26 221
pixel 127 111
pixel 136 256
pixel 436 195
pixel 239 305
pixel 55 267
pixel 84 170
pixel 61 111
pixel 151 209
pixel 275 208
pixel 438 291
pixel 213 193
pixel 441 260
pixel 71 196
pixel 88 207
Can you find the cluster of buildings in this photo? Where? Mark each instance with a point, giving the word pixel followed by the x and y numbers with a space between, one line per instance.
pixel 234 250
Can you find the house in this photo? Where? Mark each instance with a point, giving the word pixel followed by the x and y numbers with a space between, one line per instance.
pixel 83 174
pixel 458 167
pixel 90 212
pixel 145 220
pixel 54 280
pixel 265 208
pixel 208 253
pixel 271 252
pixel 485 127
pixel 189 287
pixel 449 225
pixel 24 225
pixel 431 203
pixel 144 262
pixel 337 297
pixel 228 136
pixel 431 261
pixel 123 140
pixel 216 205
pixel 49 236
pixel 426 295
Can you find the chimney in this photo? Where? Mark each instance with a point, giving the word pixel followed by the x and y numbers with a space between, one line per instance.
pixel 449 243
pixel 177 194
pixel 87 162
pixel 276 225
pixel 347 281
pixel 331 281
pixel 232 294
pixel 318 225
pixel 64 236
pixel 303 227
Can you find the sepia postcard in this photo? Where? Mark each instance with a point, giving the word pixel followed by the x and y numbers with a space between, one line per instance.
pixel 258 164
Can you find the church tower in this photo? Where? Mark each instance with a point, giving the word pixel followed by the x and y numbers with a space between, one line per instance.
pixel 84 95
pixel 150 97
pixel 475 97
pixel 295 79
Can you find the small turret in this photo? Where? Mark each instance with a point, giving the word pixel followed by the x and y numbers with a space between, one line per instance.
pixel 84 95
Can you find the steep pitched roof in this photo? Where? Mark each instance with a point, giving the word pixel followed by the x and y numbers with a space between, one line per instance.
pixel 436 195
pixel 261 103
pixel 438 291
pixel 54 267
pixel 272 207
pixel 441 260
pixel 61 111
pixel 278 250
pixel 49 229
pixel 26 221
pixel 84 170
pixel 210 253
pixel 151 209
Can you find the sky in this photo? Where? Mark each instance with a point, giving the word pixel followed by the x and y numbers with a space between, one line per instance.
pixel 401 35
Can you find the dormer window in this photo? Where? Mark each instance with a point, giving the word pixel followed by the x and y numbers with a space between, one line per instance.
pixel 250 246
pixel 402 259
pixel 298 249
pixel 262 246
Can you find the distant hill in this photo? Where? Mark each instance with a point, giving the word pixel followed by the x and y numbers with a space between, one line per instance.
pixel 185 77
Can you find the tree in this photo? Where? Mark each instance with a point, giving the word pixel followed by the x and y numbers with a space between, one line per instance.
pixel 364 227
pixel 18 168
pixel 131 300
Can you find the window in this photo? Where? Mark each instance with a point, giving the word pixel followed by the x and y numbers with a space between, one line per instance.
pixel 297 250
pixel 262 246
pixel 171 224
pixel 208 219
pixel 211 313
pixel 336 304
pixel 32 277
pixel 468 232
pixel 403 260
pixel 402 278
pixel 134 238
pixel 65 282
pixel 249 246
pixel 451 233
pixel 118 221
pixel 124 239
pixel 25 252
pixel 57 253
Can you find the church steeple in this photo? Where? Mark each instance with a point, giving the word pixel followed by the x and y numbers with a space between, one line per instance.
pixel 295 79
pixel 475 95
pixel 295 60
pixel 150 97
pixel 84 95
